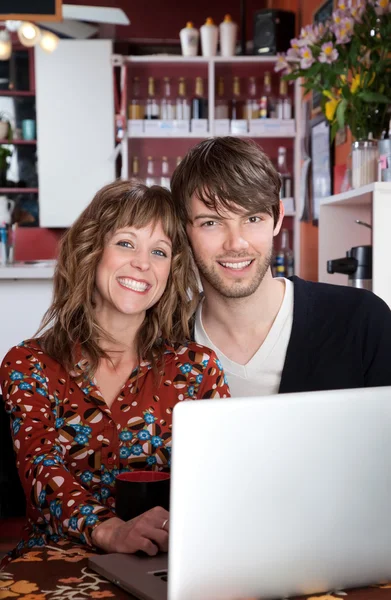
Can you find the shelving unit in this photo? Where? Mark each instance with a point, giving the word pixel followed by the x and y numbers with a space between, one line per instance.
pixel 15 190
pixel 338 232
pixel 18 142
pixel 145 144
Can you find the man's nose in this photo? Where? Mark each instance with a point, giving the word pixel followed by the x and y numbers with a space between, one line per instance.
pixel 235 241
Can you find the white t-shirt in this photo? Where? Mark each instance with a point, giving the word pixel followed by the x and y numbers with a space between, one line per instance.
pixel 261 376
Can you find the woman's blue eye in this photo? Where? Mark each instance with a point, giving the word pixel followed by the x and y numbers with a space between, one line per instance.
pixel 160 253
pixel 124 244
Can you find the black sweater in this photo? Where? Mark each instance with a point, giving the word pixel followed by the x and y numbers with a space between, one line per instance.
pixel 341 338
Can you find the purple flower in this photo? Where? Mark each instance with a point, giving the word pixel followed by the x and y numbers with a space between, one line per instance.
pixel 306 58
pixel 329 54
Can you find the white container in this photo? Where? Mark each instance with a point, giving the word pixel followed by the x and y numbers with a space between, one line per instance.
pixel 228 35
pixel 209 38
pixel 189 37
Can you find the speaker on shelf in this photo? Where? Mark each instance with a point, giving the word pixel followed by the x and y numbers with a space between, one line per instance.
pixel 273 31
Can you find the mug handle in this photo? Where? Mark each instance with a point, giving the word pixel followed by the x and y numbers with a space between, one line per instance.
pixel 11 203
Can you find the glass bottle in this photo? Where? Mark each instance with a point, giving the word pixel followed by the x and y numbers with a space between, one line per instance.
pixel 236 104
pixel 182 102
pixel 135 167
pixel 251 110
pixel 136 109
pixel 150 179
pixel 165 176
pixel 284 103
pixel 267 105
pixel 221 109
pixel 286 177
pixel 167 106
pixel 199 105
pixel 152 107
pixel 284 262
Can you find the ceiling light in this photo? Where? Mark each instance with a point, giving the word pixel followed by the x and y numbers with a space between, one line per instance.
pixel 29 34
pixel 5 45
pixel 49 41
pixel 13 25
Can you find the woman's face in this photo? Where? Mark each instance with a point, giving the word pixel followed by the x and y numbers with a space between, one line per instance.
pixel 133 271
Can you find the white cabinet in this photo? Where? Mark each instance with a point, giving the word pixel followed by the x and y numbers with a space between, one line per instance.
pixel 338 232
pixel 138 140
pixel 75 133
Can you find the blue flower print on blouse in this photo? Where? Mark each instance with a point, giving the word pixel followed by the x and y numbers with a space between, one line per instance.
pixel 41 391
pixel 107 478
pixel 105 492
pixel 218 363
pixel 73 523
pixel 136 450
pixel 151 460
pixel 190 390
pixel 15 375
pixel 125 452
pixel 59 422
pixel 148 418
pixel 91 519
pixel 87 509
pixel 81 438
pixel 42 497
pixel 186 368
pixel 156 441
pixel 199 378
pixel 16 426
pixel 25 386
pixel 125 435
pixel 86 476
pixel 143 435
pixel 38 378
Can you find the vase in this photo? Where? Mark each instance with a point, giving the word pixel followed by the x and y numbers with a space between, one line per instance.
pixel 364 162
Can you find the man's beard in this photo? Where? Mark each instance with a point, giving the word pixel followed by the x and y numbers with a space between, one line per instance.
pixel 235 288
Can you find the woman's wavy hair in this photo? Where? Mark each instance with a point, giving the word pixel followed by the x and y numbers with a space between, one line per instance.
pixel 69 326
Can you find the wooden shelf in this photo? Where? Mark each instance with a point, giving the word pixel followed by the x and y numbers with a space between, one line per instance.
pixel 18 142
pixel 26 94
pixel 357 197
pixel 16 190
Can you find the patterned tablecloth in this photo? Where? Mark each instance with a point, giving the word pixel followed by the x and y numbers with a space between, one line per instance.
pixel 60 572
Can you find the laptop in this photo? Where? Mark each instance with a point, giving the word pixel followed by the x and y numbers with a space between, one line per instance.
pixel 272 497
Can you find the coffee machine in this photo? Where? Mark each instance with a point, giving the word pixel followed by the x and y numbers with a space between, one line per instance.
pixel 357 264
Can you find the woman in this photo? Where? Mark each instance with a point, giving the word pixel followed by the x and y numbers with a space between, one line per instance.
pixel 92 396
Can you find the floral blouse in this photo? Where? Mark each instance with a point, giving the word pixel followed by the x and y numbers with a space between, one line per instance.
pixel 70 445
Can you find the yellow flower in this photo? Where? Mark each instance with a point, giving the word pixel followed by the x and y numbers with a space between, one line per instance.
pixel 331 107
pixel 355 84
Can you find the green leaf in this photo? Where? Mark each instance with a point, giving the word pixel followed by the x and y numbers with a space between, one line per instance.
pixel 340 114
pixel 375 97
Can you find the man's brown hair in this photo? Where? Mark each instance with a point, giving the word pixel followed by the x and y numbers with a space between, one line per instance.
pixel 229 173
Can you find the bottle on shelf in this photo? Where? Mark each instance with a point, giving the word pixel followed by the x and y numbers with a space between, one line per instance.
pixel 267 104
pixel 165 176
pixel 150 178
pixel 221 109
pixel 199 105
pixel 152 106
pixel 286 176
pixel 189 37
pixel 209 38
pixel 182 102
pixel 136 108
pixel 284 261
pixel 228 35
pixel 135 167
pixel 167 106
pixel 251 108
pixel 284 103
pixel 236 104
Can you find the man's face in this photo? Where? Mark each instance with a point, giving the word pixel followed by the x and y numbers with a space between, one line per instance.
pixel 232 250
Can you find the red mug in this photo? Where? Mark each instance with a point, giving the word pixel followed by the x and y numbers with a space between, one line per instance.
pixel 139 491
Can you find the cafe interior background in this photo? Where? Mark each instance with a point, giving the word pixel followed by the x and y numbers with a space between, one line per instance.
pixel 77 111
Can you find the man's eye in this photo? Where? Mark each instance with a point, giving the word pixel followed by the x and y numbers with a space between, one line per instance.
pixel 125 244
pixel 255 219
pixel 209 223
pixel 160 253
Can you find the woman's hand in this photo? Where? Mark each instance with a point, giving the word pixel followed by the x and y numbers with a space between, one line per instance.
pixel 144 532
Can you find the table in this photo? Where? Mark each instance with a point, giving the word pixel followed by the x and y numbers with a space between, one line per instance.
pixel 60 572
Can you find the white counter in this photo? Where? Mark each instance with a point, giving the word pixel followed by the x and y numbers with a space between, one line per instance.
pixel 25 295
pixel 28 270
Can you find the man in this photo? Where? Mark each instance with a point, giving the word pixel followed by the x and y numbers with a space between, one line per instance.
pixel 271 334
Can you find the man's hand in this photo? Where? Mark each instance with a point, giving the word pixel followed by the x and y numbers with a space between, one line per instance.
pixel 144 532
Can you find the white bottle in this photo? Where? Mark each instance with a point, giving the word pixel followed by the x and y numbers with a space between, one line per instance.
pixel 209 37
pixel 165 176
pixel 228 34
pixel 189 37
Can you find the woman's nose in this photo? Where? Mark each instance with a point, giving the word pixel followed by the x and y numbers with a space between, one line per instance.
pixel 141 261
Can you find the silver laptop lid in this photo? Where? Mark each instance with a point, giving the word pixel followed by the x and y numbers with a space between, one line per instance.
pixel 281 495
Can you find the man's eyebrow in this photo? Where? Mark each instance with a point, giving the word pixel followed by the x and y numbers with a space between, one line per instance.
pixel 208 216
